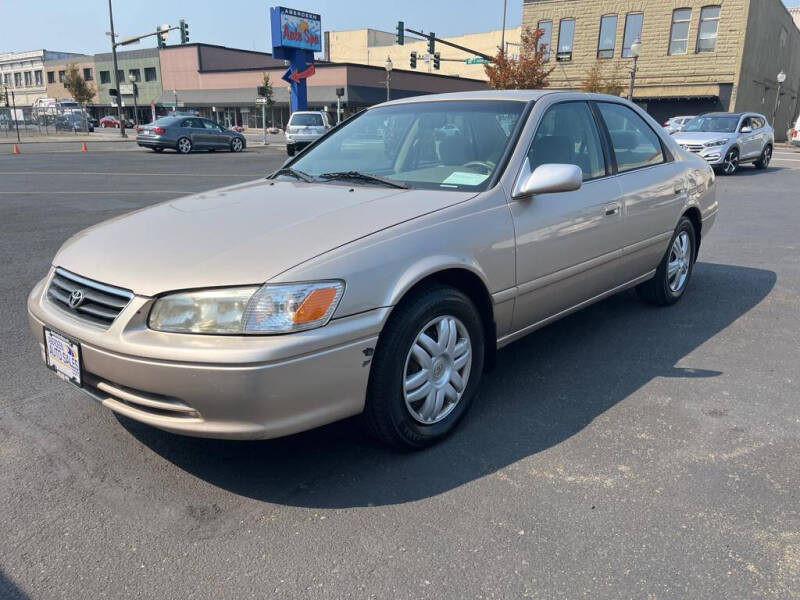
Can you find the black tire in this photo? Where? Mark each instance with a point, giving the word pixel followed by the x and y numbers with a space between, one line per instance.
pixel 731 162
pixel 290 150
pixel 658 290
pixel 237 145
pixel 386 416
pixel 157 149
pixel 183 145
pixel 765 158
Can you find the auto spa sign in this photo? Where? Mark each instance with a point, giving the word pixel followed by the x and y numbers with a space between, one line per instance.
pixel 300 29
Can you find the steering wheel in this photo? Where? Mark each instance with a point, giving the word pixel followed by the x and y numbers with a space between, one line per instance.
pixel 480 164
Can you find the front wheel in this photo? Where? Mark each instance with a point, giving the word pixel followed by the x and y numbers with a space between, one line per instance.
pixel 731 162
pixel 426 370
pixel 236 145
pixel 766 156
pixel 673 273
pixel 184 145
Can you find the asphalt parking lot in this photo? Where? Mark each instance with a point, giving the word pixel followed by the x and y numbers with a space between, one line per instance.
pixel 623 452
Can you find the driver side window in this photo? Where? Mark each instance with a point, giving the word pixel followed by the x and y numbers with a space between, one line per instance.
pixel 567 134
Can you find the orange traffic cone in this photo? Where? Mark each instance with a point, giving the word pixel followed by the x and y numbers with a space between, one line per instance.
pixel 83 147
pixel 16 149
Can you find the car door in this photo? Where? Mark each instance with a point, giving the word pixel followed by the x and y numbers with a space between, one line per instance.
pixel 568 243
pixel 653 186
pixel 750 141
pixel 215 135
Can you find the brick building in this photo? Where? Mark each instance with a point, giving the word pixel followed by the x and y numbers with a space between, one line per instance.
pixel 696 56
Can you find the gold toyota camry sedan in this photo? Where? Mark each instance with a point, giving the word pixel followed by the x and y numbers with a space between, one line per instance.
pixel 379 270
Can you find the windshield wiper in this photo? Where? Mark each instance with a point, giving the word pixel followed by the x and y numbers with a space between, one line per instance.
pixel 363 177
pixel 294 173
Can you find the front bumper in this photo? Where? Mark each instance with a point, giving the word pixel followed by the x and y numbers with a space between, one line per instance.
pixel 238 387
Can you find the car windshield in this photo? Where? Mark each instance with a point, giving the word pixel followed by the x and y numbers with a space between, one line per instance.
pixel 306 120
pixel 435 145
pixel 720 124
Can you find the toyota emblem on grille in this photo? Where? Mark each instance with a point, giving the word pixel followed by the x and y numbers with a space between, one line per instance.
pixel 76 298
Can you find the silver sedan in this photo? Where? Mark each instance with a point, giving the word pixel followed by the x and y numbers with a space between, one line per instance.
pixel 379 271
pixel 185 134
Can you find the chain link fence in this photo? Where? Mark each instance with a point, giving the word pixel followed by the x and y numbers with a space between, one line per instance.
pixel 49 121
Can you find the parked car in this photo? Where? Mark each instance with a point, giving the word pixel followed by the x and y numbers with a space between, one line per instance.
pixel 304 128
pixel 727 140
pixel 676 123
pixel 73 122
pixel 382 283
pixel 185 134
pixel 112 121
pixel 273 130
pixel 794 133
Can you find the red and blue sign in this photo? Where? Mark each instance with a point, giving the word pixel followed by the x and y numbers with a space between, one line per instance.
pixel 299 29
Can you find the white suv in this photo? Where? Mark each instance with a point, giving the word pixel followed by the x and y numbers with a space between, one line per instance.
pixel 305 127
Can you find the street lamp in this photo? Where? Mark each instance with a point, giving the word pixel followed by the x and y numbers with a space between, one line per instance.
pixel 636 48
pixel 781 77
pixel 388 66
pixel 132 79
pixel 13 106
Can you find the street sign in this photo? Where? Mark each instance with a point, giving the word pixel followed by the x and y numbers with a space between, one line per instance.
pixel 261 100
pixel 126 88
pixel 476 60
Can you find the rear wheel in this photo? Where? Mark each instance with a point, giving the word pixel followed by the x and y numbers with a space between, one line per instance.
pixel 766 156
pixel 184 145
pixel 426 370
pixel 673 273
pixel 236 145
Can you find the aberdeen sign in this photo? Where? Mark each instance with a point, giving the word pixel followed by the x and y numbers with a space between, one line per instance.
pixel 296 35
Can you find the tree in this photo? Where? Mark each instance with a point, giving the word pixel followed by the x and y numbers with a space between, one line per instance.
pixel 81 92
pixel 528 71
pixel 598 81
pixel 269 96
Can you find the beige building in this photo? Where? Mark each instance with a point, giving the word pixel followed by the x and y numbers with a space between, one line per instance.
pixel 795 12
pixel 373 47
pixel 23 73
pixel 56 70
pixel 696 55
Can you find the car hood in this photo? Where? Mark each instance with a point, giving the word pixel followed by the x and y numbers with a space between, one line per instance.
pixel 243 234
pixel 700 137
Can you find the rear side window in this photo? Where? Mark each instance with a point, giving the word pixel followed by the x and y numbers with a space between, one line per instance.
pixel 567 134
pixel 312 120
pixel 635 144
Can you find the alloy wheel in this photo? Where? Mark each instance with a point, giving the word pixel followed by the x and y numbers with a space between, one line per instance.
pixel 437 369
pixel 731 162
pixel 767 156
pixel 680 257
pixel 184 145
pixel 236 145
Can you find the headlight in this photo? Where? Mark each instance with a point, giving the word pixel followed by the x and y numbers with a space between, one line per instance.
pixel 270 309
pixel 715 143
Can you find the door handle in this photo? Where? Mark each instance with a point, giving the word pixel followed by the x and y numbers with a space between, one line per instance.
pixel 612 209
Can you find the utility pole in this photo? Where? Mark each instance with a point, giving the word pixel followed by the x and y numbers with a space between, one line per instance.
pixel 503 34
pixel 116 70
pixel 14 113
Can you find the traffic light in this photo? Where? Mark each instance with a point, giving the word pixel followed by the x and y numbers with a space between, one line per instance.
pixel 261 91
pixel 184 32
pixel 436 61
pixel 431 42
pixel 162 31
pixel 412 60
pixel 400 38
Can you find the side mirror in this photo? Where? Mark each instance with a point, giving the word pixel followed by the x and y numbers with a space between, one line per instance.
pixel 746 129
pixel 548 179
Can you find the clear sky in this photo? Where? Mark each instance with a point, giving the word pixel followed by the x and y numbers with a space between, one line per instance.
pixel 79 25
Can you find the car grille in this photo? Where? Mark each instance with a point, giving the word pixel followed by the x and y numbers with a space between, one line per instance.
pixel 85 299
pixel 693 147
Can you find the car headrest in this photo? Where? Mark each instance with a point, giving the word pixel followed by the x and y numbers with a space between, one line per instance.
pixel 453 150
pixel 624 140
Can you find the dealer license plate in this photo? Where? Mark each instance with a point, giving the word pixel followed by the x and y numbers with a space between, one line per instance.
pixel 63 356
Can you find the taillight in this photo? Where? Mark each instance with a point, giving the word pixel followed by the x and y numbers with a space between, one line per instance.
pixel 159 130
pixel 139 128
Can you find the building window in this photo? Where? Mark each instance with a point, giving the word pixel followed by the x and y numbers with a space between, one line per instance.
pixel 679 34
pixel 51 77
pixel 784 35
pixel 136 73
pixel 566 33
pixel 633 32
pixel 37 76
pixel 28 79
pixel 62 75
pixel 121 76
pixel 17 79
pixel 87 75
pixel 608 36
pixel 105 77
pixel 149 73
pixel 547 36
pixel 707 32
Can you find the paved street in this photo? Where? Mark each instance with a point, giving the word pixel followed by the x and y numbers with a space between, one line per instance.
pixel 623 452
